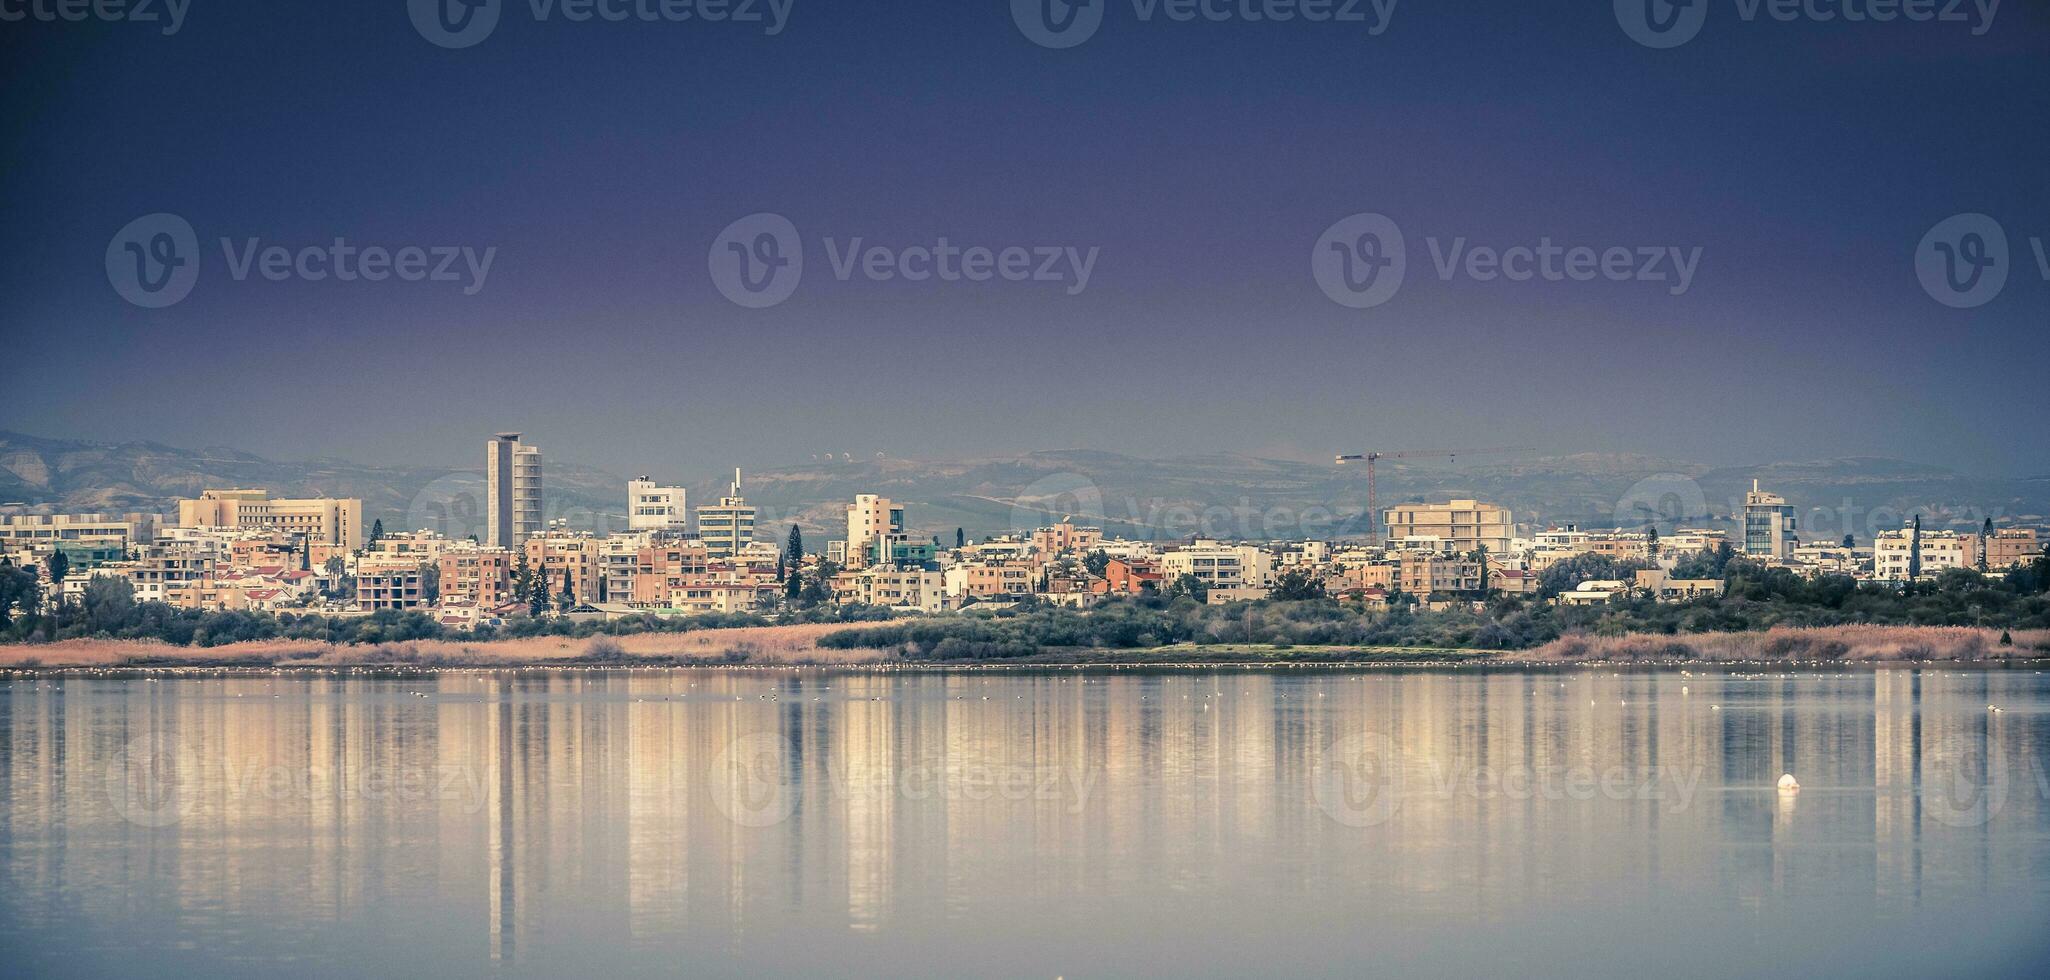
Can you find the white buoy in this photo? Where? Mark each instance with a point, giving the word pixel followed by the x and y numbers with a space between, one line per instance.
pixel 1788 784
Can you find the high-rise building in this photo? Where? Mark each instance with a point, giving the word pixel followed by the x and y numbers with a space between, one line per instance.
pixel 512 490
pixel 652 507
pixel 1768 525
pixel 871 518
pixel 729 525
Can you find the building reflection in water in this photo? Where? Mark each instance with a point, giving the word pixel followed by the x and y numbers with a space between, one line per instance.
pixel 541 811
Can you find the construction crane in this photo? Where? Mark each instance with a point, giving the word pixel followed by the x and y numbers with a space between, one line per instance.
pixel 1373 502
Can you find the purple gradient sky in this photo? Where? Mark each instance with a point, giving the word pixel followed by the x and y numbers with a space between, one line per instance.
pixel 1203 159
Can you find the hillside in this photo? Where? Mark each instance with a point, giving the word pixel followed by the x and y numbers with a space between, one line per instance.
pixel 1226 495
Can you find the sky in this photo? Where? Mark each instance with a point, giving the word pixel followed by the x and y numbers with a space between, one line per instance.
pixel 1201 167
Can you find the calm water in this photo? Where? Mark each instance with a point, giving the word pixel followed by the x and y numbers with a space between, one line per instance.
pixel 1039 825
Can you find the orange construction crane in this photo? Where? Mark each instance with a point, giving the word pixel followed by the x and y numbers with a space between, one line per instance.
pixel 1373 502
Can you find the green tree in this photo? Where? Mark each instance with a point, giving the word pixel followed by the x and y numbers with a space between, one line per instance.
pixel 795 548
pixel 960 538
pixel 1850 540
pixel 376 530
pixel 1915 551
pixel 1651 540
pixel 1480 557
pixel 1096 562
pixel 55 568
pixel 1189 586
pixel 1985 542
pixel 1297 584
pixel 19 593
pixel 537 600
pixel 568 596
pixel 793 586
pixel 522 575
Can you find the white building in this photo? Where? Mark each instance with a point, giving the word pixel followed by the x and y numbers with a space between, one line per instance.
pixel 653 507
pixel 1892 552
pixel 1219 566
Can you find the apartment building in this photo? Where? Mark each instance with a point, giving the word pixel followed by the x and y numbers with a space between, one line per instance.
pixel 871 520
pixel 653 507
pixel 1065 538
pixel 478 575
pixel 987 579
pixel 1892 553
pixel 569 563
pixel 664 570
pixel 42 533
pixel 1227 567
pixel 390 587
pixel 922 589
pixel 1458 526
pixel 2011 546
pixel 1426 574
pixel 157 571
pixel 333 521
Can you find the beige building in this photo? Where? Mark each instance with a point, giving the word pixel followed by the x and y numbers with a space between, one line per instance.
pixel 570 563
pixel 1429 575
pixel 479 575
pixel 2012 546
pixel 1459 526
pixel 888 585
pixel 390 587
pixel 321 520
pixel 1230 567
pixel 41 531
pixel 1892 552
pixel 1065 537
pixel 871 518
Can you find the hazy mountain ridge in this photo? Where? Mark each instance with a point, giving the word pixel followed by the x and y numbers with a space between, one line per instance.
pixel 1226 494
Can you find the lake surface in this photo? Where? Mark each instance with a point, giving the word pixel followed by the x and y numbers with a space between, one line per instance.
pixel 1026 824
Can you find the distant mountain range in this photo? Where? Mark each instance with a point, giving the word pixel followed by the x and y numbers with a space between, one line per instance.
pixel 1224 495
